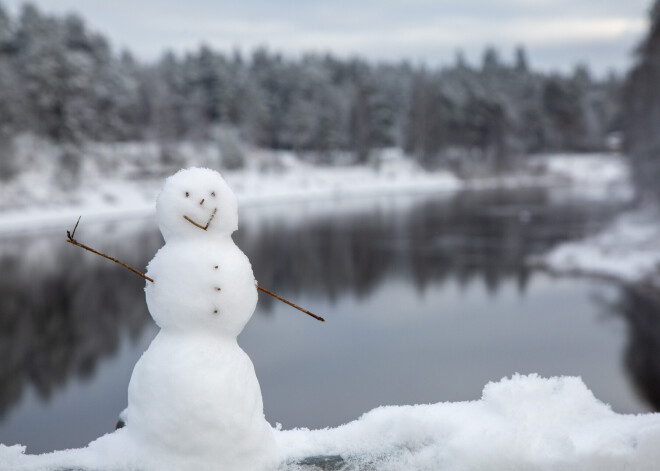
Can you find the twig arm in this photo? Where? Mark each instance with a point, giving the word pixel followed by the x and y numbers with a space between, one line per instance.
pixel 279 298
pixel 73 241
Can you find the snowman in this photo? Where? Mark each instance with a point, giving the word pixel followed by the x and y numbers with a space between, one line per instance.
pixel 194 401
pixel 194 392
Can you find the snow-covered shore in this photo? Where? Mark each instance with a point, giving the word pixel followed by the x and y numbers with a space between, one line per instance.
pixel 628 251
pixel 110 199
pixel 520 423
pixel 33 202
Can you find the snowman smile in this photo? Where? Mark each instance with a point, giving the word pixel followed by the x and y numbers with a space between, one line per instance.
pixel 199 225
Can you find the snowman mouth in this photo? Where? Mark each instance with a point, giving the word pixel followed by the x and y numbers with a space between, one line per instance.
pixel 199 225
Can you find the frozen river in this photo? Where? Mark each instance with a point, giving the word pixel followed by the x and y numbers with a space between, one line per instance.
pixel 426 300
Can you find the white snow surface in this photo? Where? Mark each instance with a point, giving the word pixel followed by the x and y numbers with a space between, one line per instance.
pixel 586 168
pixel 122 181
pixel 520 423
pixel 628 251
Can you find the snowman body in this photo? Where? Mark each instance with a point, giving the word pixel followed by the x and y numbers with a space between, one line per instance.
pixel 194 394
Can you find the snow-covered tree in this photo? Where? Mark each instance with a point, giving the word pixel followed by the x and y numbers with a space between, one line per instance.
pixel 642 110
pixel 62 81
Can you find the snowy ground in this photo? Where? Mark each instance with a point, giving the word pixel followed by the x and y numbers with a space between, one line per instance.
pixel 627 251
pixel 39 199
pixel 520 423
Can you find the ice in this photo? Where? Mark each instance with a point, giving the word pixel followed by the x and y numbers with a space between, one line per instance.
pixel 520 423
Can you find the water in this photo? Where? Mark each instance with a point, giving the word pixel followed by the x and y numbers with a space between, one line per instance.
pixel 426 300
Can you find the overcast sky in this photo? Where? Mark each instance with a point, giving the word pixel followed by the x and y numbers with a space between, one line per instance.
pixel 556 33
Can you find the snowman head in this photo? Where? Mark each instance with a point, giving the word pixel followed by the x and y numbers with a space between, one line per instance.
pixel 196 203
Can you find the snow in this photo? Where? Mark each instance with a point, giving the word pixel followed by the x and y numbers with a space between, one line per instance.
pixel 594 176
pixel 627 251
pixel 194 391
pixel 520 423
pixel 34 201
pixel 585 169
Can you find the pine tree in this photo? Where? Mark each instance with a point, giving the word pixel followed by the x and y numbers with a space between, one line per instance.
pixel 642 111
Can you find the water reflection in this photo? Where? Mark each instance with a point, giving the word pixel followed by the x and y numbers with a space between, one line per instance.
pixel 63 310
pixel 640 307
pixel 484 235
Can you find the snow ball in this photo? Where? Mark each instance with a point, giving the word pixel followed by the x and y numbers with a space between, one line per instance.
pixel 196 202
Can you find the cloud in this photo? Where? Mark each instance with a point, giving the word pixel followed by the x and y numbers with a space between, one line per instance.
pixel 420 30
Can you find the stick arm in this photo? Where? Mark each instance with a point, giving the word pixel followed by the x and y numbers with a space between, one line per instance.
pixel 71 240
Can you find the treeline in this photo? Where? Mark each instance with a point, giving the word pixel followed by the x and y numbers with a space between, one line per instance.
pixel 642 111
pixel 61 81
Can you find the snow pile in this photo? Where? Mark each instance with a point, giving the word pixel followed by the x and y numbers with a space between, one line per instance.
pixel 628 251
pixel 589 169
pixel 520 423
pixel 585 176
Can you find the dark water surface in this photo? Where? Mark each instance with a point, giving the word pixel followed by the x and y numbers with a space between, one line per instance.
pixel 426 300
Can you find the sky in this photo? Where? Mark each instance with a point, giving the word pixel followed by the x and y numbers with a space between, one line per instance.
pixel 557 34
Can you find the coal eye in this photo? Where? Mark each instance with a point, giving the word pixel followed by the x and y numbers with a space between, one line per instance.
pixel 213 193
pixel 187 194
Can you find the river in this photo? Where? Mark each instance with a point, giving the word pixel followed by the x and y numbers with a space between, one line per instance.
pixel 427 298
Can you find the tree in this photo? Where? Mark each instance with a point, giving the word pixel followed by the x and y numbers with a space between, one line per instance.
pixel 562 105
pixel 642 111
pixel 62 81
pixel 491 61
pixel 521 63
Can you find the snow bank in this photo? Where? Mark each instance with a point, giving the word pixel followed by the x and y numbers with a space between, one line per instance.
pixel 308 182
pixel 520 423
pixel 102 199
pixel 628 251
pixel 587 169
pixel 36 200
pixel 594 176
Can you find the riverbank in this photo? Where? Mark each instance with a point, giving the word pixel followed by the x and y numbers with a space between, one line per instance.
pixel 628 251
pixel 530 422
pixel 36 201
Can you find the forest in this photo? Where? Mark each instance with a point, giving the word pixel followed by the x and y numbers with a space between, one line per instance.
pixel 63 82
